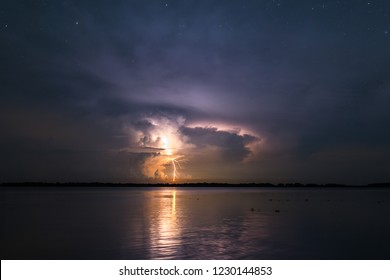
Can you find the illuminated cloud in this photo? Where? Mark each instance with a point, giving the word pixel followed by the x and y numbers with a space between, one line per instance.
pixel 175 148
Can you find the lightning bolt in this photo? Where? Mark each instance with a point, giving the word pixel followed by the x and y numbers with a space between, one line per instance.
pixel 174 170
pixel 174 160
pixel 176 166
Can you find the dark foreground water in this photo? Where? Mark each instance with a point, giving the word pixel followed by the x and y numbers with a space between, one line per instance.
pixel 179 223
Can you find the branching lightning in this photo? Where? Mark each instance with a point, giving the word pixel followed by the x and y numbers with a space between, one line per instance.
pixel 176 166
pixel 166 163
pixel 174 160
pixel 174 170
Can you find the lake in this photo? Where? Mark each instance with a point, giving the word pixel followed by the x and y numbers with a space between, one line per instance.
pixel 194 223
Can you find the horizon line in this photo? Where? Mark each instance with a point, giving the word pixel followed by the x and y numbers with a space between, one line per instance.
pixel 263 184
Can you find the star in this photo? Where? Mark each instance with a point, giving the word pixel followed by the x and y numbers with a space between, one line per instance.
pixel 76 22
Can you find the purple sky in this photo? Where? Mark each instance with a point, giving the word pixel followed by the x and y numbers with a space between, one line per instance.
pixel 232 91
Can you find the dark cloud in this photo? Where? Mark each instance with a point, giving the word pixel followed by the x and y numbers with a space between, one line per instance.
pixel 233 145
pixel 85 78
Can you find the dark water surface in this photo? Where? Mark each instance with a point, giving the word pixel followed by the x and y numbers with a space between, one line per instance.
pixel 195 223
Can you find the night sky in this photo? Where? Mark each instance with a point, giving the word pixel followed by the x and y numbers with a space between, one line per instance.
pixel 187 91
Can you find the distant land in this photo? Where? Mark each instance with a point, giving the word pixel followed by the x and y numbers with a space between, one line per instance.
pixel 203 184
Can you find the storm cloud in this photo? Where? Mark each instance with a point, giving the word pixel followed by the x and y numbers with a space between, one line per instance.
pixel 248 90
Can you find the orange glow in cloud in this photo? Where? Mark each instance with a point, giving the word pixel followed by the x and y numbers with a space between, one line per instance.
pixel 173 148
pixel 165 165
